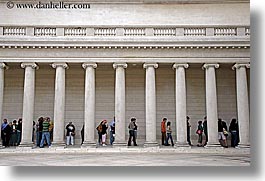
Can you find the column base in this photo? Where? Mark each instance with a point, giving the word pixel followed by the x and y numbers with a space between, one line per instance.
pixel 119 144
pixel 89 144
pixel 151 144
pixel 26 145
pixel 213 145
pixel 244 145
pixel 182 144
pixel 58 144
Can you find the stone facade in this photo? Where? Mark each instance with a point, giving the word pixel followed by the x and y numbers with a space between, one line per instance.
pixel 159 60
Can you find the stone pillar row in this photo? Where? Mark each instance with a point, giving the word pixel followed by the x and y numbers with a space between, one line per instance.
pixel 150 103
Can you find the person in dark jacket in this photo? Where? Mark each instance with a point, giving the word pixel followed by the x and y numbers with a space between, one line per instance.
pixel 104 132
pixel 82 135
pixel 13 138
pixel 205 130
pixel 70 133
pixel 99 129
pixel 199 132
pixel 188 131
pixel 132 132
pixel 39 127
pixel 5 133
pixel 233 129
pixel 19 131
pixel 221 136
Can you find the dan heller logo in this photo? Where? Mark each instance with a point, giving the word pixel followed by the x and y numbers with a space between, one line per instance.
pixel 49 5
pixel 10 5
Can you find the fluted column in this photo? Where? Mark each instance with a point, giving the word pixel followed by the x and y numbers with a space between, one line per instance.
pixel 181 105
pixel 211 104
pixel 28 104
pixel 150 104
pixel 242 103
pixel 59 104
pixel 2 78
pixel 90 101
pixel 120 104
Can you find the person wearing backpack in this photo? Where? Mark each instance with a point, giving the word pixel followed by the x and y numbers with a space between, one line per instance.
pixel 99 129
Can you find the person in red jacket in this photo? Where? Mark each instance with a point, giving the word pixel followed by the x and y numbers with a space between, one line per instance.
pixel 163 130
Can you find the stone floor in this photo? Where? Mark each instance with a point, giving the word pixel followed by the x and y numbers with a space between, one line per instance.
pixel 125 156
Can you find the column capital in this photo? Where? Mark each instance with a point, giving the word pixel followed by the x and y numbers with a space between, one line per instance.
pixel 89 64
pixel 3 65
pixel 238 65
pixel 29 64
pixel 60 64
pixel 146 65
pixel 176 65
pixel 207 65
pixel 123 65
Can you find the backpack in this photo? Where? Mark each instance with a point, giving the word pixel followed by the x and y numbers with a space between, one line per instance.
pixel 99 128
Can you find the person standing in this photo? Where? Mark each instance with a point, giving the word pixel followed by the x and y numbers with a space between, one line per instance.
pixel 163 130
pixel 70 133
pixel 112 131
pixel 13 138
pixel 104 132
pixel 205 130
pixel 82 134
pixel 188 131
pixel 39 127
pixel 199 132
pixel 135 130
pixel 5 133
pixel 233 129
pixel 221 136
pixel 19 131
pixel 45 133
pixel 132 132
pixel 169 134
pixel 51 128
pixel 99 129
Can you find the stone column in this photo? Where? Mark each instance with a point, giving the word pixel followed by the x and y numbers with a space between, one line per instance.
pixel 28 104
pixel 150 104
pixel 59 104
pixel 211 105
pixel 181 108
pixel 120 104
pixel 242 103
pixel 2 79
pixel 90 104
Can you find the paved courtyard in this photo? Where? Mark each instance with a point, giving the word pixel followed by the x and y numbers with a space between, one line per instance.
pixel 125 157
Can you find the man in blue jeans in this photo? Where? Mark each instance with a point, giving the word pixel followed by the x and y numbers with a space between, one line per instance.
pixel 45 133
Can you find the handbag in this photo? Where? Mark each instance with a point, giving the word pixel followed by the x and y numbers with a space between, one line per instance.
pixel 225 133
pixel 199 131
